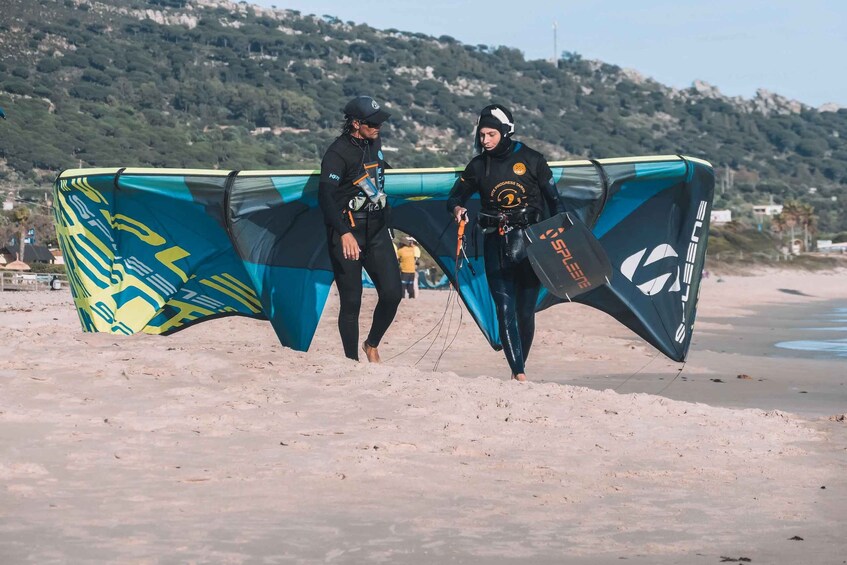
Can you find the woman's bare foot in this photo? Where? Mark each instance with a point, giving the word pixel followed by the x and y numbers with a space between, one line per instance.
pixel 371 353
pixel 519 377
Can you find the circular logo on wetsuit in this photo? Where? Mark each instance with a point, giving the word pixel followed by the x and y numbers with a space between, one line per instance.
pixel 508 198
pixel 508 194
pixel 519 168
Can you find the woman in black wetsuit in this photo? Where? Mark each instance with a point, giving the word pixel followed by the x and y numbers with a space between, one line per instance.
pixel 516 189
pixel 354 206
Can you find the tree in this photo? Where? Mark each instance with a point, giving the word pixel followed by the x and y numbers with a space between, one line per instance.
pixel 779 225
pixel 797 214
pixel 20 218
pixel 298 110
pixel 44 227
pixel 809 221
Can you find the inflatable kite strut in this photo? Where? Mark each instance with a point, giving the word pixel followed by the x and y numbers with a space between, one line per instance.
pixel 157 250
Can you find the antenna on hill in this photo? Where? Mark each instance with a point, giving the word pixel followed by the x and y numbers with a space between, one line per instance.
pixel 555 46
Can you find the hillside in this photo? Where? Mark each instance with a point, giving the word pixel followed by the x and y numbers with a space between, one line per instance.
pixel 207 83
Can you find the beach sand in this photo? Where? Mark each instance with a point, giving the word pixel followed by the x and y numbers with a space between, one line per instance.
pixel 217 445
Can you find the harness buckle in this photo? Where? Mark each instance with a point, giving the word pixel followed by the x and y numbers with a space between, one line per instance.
pixel 504 227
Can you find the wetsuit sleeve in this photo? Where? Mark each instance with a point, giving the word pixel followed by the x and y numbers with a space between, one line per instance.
pixel 333 169
pixel 463 189
pixel 548 188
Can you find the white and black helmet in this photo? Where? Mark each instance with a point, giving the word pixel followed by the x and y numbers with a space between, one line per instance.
pixel 498 117
pixel 495 116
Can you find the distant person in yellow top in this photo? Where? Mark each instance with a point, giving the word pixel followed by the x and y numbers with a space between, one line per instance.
pixel 409 254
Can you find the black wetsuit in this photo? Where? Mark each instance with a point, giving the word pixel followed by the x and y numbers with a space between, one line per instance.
pixel 516 189
pixel 342 164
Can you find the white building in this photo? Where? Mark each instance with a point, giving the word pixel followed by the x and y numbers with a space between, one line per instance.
pixel 717 217
pixel 767 209
pixel 826 246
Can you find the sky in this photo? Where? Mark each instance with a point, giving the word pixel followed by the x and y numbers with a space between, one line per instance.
pixel 795 48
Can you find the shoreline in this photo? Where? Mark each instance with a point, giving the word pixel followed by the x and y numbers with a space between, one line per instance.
pixel 740 356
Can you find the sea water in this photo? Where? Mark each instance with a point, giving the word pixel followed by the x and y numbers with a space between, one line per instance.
pixel 829 348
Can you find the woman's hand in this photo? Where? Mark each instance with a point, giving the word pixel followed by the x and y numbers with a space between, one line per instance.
pixel 350 247
pixel 460 214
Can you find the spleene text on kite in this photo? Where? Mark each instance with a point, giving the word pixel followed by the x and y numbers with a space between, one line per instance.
pixel 688 270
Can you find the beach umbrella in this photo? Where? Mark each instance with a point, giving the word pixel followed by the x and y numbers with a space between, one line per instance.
pixel 17 265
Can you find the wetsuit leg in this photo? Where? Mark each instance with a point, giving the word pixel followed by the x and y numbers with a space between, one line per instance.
pixel 527 287
pixel 348 280
pixel 501 275
pixel 380 261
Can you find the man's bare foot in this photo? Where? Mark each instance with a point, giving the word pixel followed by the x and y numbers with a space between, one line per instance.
pixel 371 353
pixel 519 377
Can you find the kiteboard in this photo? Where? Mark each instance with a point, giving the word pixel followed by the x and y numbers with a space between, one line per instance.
pixel 566 256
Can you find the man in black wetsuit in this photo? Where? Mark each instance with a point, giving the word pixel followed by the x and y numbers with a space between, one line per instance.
pixel 355 211
pixel 516 189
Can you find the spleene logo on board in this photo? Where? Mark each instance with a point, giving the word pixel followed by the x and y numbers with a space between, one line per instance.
pixel 551 233
pixel 571 264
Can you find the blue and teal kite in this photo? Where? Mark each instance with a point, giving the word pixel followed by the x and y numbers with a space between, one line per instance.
pixel 157 250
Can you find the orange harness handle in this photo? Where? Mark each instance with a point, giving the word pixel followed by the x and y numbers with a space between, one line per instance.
pixel 460 249
pixel 460 237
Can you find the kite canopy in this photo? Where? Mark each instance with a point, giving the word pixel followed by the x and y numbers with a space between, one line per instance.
pixel 157 250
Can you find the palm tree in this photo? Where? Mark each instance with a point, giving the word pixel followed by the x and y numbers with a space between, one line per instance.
pixel 779 225
pixel 792 213
pixel 809 221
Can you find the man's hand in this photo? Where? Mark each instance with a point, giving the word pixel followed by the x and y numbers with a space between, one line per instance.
pixel 350 247
pixel 460 214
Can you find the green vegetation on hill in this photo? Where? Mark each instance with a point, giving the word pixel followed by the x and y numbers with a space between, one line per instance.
pixel 206 83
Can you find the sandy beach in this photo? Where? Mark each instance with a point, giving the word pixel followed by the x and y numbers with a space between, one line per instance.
pixel 217 445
